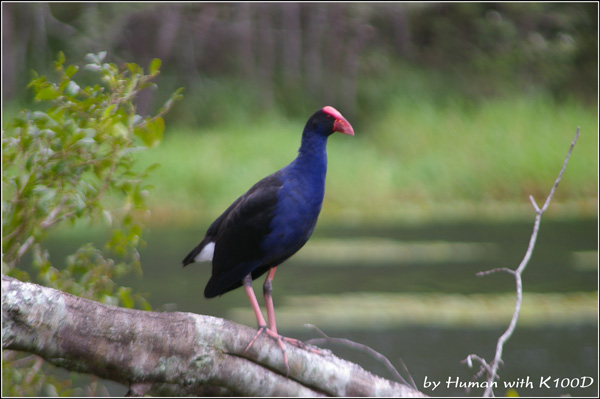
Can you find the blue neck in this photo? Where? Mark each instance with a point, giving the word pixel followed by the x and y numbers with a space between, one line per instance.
pixel 312 157
pixel 313 152
pixel 306 173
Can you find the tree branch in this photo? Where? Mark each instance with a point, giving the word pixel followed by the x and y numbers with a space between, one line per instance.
pixel 492 369
pixel 179 353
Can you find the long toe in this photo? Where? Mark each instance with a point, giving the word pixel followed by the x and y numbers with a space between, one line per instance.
pixel 307 347
pixel 279 340
pixel 261 329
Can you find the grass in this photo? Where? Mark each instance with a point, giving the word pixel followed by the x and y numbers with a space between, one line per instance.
pixel 416 161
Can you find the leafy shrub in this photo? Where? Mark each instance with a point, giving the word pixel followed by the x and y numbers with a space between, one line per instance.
pixel 69 163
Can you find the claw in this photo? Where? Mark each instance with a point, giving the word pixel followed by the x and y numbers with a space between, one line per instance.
pixel 279 338
pixel 299 344
pixel 258 332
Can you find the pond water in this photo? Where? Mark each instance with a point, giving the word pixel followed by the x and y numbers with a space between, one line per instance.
pixel 410 292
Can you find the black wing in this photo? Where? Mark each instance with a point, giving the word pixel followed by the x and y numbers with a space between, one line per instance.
pixel 238 233
pixel 211 234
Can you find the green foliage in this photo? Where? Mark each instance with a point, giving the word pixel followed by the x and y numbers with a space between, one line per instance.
pixel 71 162
pixel 29 376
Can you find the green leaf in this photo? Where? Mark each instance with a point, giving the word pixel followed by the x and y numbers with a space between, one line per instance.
pixel 119 130
pixel 80 204
pixel 124 295
pixel 147 85
pixel 48 93
pixel 151 132
pixel 60 61
pixel 134 68
pixel 109 110
pixel 107 216
pixel 43 120
pixel 72 88
pixel 93 58
pixel 71 70
pixel 145 305
pixel 155 66
pixel 59 167
pixel 48 194
pixel 24 183
pixel 92 67
pixel 30 162
pixel 176 96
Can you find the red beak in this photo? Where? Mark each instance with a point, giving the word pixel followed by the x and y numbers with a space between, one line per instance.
pixel 341 124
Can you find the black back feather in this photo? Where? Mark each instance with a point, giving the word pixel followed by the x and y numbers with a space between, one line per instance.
pixel 237 234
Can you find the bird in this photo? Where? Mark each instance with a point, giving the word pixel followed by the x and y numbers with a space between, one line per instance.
pixel 270 222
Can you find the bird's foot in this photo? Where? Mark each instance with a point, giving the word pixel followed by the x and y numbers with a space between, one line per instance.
pixel 261 329
pixel 280 340
pixel 299 344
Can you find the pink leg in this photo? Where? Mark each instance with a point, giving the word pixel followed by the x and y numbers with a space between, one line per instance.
pixel 267 289
pixel 250 292
pixel 260 320
pixel 262 326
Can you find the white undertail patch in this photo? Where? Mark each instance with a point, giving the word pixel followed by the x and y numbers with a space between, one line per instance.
pixel 206 253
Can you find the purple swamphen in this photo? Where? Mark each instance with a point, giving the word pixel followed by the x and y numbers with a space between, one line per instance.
pixel 270 222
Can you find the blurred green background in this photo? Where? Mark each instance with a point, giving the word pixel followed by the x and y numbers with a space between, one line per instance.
pixel 461 111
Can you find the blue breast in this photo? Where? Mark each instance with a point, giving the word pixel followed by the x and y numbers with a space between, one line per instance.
pixel 299 201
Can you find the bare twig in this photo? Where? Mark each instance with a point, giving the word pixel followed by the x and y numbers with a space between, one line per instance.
pixel 364 348
pixel 492 369
pixel 500 269
pixel 484 365
pixel 23 248
pixel 52 217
